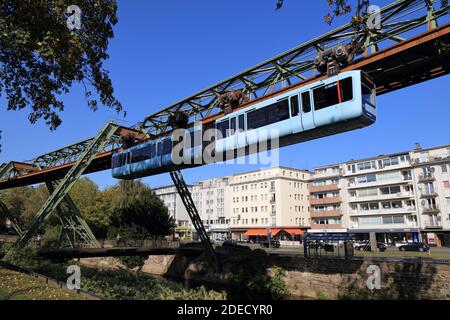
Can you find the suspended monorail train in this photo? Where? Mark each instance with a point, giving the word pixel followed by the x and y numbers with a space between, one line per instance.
pixel 337 104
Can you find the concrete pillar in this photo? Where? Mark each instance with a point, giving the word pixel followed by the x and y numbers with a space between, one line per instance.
pixel 373 241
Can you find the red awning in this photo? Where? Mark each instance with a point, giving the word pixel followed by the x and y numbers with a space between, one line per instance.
pixel 255 232
pixel 274 231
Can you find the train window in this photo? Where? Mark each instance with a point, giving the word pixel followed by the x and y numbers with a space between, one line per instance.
pixel 241 123
pixel 233 125
pixel 152 150
pixel 167 146
pixel 159 152
pixel 141 154
pixel 223 127
pixel 306 102
pixel 346 86
pixel 256 119
pixel 325 96
pixel 278 111
pixel 294 106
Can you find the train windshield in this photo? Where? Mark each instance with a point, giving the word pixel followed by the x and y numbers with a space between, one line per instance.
pixel 368 90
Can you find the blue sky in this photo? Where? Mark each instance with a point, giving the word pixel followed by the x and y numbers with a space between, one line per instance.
pixel 167 50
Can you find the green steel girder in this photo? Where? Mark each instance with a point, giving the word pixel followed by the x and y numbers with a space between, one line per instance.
pixel 73 226
pixel 96 145
pixel 5 170
pixel 295 65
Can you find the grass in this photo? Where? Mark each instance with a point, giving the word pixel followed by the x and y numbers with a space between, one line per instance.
pixel 18 286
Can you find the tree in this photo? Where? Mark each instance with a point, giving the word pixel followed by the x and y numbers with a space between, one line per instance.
pixel 43 53
pixel 139 214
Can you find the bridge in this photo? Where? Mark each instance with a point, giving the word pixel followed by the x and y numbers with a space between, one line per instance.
pixel 411 46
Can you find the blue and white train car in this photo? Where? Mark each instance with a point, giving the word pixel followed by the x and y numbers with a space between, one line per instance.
pixel 340 103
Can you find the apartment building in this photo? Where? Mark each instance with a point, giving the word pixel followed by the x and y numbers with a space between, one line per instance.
pixel 274 200
pixel 212 199
pixel 402 196
pixel 432 177
pixel 381 197
pixel 177 210
pixel 326 197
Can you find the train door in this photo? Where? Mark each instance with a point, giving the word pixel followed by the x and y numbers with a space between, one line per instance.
pixel 159 148
pixel 307 114
pixel 232 138
pixel 241 136
pixel 296 118
pixel 196 143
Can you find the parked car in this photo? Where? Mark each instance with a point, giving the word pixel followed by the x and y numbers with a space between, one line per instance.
pixel 229 243
pixel 366 246
pixel 417 246
pixel 272 243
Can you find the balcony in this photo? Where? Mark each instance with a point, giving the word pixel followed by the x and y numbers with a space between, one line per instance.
pixel 326 214
pixel 433 224
pixel 432 209
pixel 427 195
pixel 382 211
pixel 399 180
pixel 326 200
pixel 329 187
pixel 426 177
pixel 382 197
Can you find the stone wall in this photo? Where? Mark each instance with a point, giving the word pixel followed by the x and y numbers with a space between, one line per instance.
pixel 313 278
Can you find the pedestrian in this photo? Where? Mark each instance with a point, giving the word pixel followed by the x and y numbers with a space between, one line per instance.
pixel 118 240
pixel 38 241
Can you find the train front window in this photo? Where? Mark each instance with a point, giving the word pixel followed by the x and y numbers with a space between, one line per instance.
pixel 117 161
pixel 306 102
pixel 368 91
pixel 346 86
pixel 326 96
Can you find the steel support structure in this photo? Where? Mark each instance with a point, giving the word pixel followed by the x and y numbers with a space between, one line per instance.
pixel 73 227
pixel 192 211
pixel 96 144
